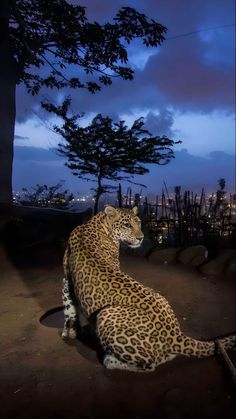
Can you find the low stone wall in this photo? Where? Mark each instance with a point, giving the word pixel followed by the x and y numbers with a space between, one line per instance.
pixel 223 263
pixel 197 256
pixel 49 215
pixel 24 227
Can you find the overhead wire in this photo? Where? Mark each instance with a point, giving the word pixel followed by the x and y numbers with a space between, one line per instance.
pixel 198 31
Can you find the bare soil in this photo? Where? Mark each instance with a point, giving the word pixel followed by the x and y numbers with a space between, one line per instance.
pixel 43 376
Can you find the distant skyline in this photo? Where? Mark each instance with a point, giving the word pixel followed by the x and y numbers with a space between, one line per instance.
pixel 184 89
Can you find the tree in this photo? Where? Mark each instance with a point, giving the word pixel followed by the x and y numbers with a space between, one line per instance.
pixel 105 150
pixel 56 36
pixel 220 203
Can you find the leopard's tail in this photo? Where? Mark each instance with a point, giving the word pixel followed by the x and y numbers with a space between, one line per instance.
pixel 192 347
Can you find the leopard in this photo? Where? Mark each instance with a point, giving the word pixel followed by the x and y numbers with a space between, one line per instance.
pixel 136 326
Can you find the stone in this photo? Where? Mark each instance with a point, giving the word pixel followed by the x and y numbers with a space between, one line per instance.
pixel 193 255
pixel 220 263
pixel 199 259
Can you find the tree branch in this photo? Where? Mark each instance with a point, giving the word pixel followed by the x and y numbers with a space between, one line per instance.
pixel 55 69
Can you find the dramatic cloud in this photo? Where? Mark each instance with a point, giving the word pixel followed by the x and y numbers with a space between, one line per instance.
pixel 161 124
pixel 192 72
pixel 185 89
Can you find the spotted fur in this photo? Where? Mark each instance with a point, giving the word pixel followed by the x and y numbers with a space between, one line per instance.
pixel 136 326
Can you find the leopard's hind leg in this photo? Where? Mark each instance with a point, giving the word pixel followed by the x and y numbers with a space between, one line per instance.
pixel 129 339
pixel 70 312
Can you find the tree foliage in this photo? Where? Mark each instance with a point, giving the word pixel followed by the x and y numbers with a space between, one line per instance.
pixel 107 150
pixel 220 203
pixel 56 34
pixel 52 44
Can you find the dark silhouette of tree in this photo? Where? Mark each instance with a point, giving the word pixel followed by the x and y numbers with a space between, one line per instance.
pixel 221 191
pixel 46 196
pixel 53 36
pixel 106 150
pixel 220 203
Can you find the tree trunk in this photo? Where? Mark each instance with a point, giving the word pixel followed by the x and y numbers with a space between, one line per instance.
pixel 99 192
pixel 119 195
pixel 7 122
pixel 8 78
pixel 95 208
pixel 96 200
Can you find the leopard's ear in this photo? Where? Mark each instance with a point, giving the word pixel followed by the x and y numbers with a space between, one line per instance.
pixel 135 210
pixel 111 213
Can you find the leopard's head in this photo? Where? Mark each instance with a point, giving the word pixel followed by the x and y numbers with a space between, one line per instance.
pixel 125 225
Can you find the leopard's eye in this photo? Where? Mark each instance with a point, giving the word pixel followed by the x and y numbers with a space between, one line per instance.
pixel 127 225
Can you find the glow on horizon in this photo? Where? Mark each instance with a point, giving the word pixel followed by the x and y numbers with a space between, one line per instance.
pixel 204 133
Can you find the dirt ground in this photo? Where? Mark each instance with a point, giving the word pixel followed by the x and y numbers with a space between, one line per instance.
pixel 43 376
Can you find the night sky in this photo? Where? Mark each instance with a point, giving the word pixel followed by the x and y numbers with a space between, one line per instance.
pixel 184 89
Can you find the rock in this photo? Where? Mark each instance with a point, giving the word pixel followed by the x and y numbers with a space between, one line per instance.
pixel 231 266
pixel 164 256
pixel 199 259
pixel 223 262
pixel 193 255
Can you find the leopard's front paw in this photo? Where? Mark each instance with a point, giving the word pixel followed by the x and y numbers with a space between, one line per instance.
pixel 72 333
pixel 69 333
pixel 64 334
